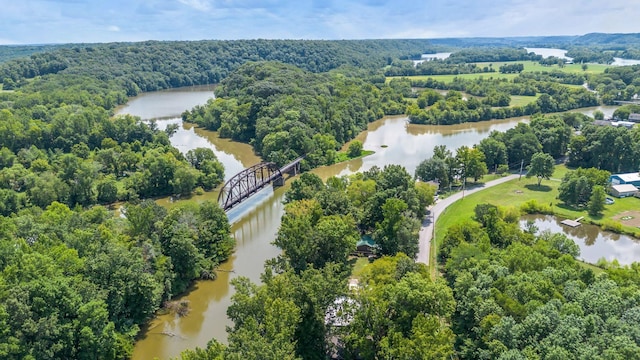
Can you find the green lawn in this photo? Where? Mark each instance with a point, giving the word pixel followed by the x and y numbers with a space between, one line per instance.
pixel 515 193
pixel 529 66
pixel 343 156
pixel 532 66
pixel 522 100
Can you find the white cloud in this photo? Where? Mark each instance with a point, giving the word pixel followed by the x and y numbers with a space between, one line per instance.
pixel 44 21
pixel 200 5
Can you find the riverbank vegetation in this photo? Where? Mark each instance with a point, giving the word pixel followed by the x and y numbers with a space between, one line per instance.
pixel 397 310
pixel 569 191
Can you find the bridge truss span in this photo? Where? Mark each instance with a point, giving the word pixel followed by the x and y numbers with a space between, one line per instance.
pixel 246 183
pixel 251 180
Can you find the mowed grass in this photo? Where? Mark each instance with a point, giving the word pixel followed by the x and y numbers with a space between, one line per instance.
pixel 522 100
pixel 449 78
pixel 529 66
pixel 516 192
pixel 533 66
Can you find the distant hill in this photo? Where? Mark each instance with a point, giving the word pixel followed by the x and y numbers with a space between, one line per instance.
pixel 531 41
pixel 601 40
pixel 608 40
pixel 10 52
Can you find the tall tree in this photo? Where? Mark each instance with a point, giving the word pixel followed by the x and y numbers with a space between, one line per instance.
pixel 542 166
pixel 596 202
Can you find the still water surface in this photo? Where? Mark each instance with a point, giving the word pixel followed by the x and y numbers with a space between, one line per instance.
pixel 255 223
pixel 594 243
pixel 562 54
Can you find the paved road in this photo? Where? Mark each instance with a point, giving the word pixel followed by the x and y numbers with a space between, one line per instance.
pixel 426 232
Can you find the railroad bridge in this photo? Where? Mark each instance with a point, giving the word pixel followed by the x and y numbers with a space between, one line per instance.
pixel 251 180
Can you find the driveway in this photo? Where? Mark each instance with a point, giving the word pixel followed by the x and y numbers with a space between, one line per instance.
pixel 427 229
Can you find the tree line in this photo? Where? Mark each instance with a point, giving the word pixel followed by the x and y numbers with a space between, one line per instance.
pixel 156 65
pixel 450 109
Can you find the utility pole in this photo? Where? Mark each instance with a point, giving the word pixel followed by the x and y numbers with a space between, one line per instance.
pixel 464 183
pixel 521 163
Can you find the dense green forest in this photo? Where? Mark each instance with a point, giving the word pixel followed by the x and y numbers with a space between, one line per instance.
pixel 285 112
pixel 10 52
pixel 156 65
pixel 77 284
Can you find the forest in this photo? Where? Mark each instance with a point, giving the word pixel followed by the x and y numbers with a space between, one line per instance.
pixel 285 112
pixel 79 279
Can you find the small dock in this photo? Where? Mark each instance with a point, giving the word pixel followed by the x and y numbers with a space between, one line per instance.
pixel 572 223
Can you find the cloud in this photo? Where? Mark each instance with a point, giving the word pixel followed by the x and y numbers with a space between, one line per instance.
pixel 60 21
pixel 200 5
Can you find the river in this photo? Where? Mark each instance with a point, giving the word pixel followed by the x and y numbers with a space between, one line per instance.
pixel 562 54
pixel 255 222
pixel 594 243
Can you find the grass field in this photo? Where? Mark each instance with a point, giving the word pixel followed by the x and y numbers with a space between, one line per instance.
pixel 532 66
pixel 343 156
pixel 522 100
pixel 515 193
pixel 529 66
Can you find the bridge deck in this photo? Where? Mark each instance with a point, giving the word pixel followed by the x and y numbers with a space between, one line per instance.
pixel 252 179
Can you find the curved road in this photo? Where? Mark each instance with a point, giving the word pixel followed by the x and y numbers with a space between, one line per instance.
pixel 426 232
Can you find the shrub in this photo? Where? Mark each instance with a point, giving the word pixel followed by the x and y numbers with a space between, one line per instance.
pixel 533 207
pixel 612 225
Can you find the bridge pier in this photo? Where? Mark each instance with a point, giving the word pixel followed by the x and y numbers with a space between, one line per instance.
pixel 279 181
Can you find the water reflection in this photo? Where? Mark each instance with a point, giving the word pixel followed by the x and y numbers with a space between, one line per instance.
pixel 593 242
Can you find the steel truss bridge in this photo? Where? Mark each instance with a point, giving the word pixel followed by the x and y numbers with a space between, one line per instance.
pixel 251 180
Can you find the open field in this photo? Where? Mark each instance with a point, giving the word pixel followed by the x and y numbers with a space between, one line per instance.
pixel 522 100
pixel 532 66
pixel 449 78
pixel 529 66
pixel 515 193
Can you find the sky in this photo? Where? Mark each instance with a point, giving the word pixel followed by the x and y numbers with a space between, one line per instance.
pixel 89 21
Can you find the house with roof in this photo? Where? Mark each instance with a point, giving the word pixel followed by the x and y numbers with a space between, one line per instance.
pixel 628 178
pixel 623 190
pixel 366 246
pixel 634 118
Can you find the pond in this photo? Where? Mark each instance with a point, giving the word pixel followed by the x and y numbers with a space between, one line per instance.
pixel 594 243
